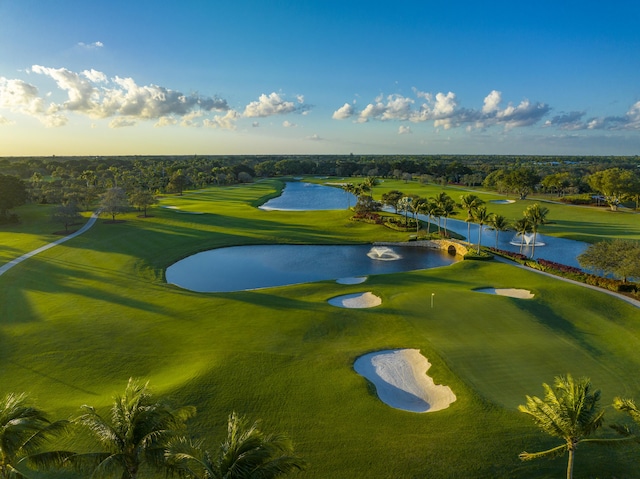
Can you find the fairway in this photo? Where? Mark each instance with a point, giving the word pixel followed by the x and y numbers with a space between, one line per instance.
pixel 81 318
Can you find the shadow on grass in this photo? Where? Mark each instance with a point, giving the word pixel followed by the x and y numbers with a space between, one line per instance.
pixel 51 378
pixel 546 316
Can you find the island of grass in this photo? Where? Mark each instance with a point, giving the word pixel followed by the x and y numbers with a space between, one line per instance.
pixel 79 319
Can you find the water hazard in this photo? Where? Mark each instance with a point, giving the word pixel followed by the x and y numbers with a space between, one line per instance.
pixel 240 268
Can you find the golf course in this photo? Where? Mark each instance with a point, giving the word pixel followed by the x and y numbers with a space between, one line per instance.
pixel 81 318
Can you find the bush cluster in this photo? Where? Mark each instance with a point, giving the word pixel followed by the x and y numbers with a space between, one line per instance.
pixel 570 272
pixel 368 217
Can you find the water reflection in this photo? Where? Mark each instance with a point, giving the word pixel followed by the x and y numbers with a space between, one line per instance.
pixel 241 268
pixel 299 196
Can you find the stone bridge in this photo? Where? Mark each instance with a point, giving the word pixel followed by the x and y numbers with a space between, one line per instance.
pixel 451 246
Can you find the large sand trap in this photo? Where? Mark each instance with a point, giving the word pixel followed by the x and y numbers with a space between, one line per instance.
pixel 502 202
pixel 357 300
pixel 401 381
pixel 511 292
pixel 352 280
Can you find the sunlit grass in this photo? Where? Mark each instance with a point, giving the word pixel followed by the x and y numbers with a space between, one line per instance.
pixel 78 320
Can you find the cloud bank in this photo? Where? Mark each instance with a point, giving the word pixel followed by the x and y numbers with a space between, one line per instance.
pixel 445 112
pixel 91 93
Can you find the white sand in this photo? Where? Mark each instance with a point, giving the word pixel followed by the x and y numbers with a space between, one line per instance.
pixel 502 202
pixel 357 300
pixel 511 292
pixel 352 280
pixel 401 380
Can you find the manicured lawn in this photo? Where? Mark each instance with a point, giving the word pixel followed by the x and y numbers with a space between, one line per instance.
pixel 580 223
pixel 78 320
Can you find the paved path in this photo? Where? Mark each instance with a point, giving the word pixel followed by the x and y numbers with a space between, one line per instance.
pixel 629 300
pixel 6 267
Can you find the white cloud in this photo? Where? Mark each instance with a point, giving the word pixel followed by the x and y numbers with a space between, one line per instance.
pixel 224 122
pixel 443 110
pixel 345 111
pixel 288 124
pixel 165 121
pixel 268 105
pixel 5 121
pixel 92 94
pixel 90 46
pixel 491 102
pixel 122 122
pixel 255 124
pixel 314 137
pixel 95 76
pixel 404 130
pixel 190 118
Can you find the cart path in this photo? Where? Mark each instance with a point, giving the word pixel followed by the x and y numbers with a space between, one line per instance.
pixel 633 302
pixel 6 267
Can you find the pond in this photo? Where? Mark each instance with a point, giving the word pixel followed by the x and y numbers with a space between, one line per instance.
pixel 240 268
pixel 300 196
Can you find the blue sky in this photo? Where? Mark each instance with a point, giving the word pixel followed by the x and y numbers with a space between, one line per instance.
pixel 313 77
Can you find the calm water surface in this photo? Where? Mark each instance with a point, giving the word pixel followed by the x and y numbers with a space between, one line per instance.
pixel 240 268
pixel 300 196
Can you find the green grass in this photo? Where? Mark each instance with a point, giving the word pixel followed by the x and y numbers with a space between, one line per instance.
pixel 81 318
pixel 589 224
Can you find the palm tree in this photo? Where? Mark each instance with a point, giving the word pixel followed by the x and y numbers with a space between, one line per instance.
pixel 370 182
pixel 349 188
pixel 537 216
pixel 498 223
pixel 522 227
pixel 246 453
pixel 135 436
pixel 446 206
pixel 429 208
pixel 405 205
pixel 569 411
pixel 24 429
pixel 470 203
pixel 482 216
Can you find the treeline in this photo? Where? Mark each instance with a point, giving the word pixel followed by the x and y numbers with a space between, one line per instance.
pixel 81 180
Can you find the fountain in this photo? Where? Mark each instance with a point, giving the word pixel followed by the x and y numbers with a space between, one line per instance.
pixel 382 253
pixel 528 240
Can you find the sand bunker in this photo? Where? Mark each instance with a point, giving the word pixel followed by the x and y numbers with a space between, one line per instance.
pixel 511 292
pixel 502 202
pixel 357 300
pixel 352 280
pixel 400 380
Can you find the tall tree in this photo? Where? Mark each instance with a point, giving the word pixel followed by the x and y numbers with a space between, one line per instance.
pixel 498 223
pixel 142 199
pixel 114 202
pixel 67 214
pixel 522 181
pixel 569 411
pixel 13 192
pixel 392 199
pixel 482 216
pixel 246 453
pixel 522 227
pixel 613 184
pixel 446 207
pixel 537 216
pixel 24 429
pixel 134 437
pixel 618 257
pixel 469 203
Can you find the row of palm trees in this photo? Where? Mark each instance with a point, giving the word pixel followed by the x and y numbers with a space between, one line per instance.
pixel 442 206
pixel 141 434
pixel 570 410
pixel 533 217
